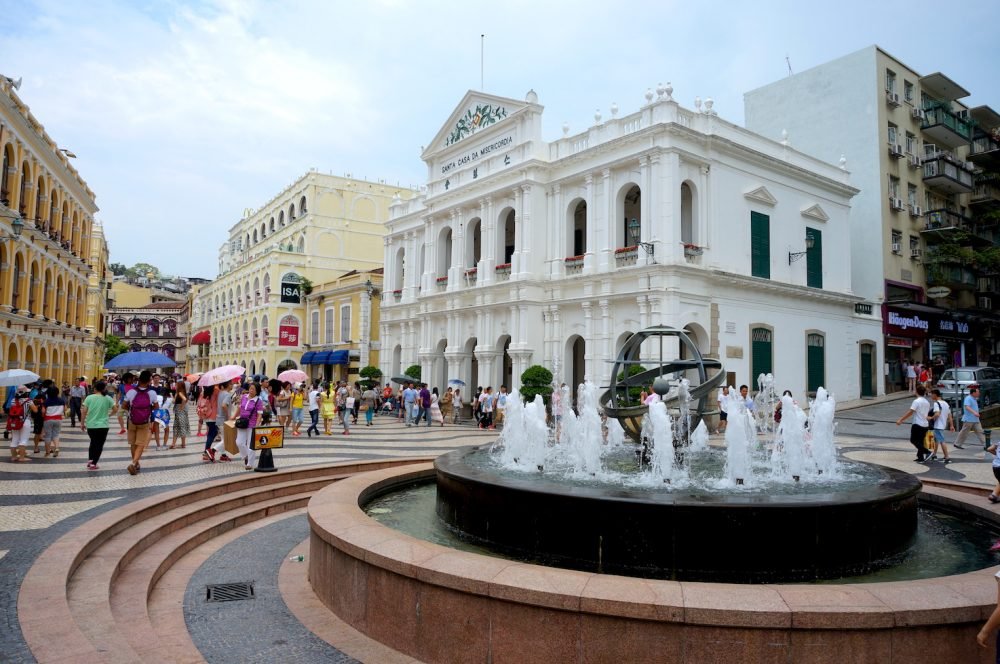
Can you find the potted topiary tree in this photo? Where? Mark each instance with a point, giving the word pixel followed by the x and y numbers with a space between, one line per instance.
pixel 536 379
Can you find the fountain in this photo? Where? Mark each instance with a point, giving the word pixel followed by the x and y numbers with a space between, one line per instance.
pixel 554 524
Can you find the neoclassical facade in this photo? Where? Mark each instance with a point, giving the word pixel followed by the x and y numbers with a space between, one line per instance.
pixel 160 327
pixel 521 251
pixel 50 277
pixel 316 230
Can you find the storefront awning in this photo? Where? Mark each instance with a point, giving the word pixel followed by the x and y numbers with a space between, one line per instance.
pixel 203 337
pixel 321 357
pixel 307 357
pixel 340 357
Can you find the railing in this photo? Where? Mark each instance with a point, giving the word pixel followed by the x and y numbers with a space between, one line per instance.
pixel 863 308
pixel 941 167
pixel 938 115
pixel 574 264
pixel 985 191
pixel 503 272
pixel 937 219
pixel 470 275
pixel 442 282
pixel 983 145
pixel 625 256
pixel 397 295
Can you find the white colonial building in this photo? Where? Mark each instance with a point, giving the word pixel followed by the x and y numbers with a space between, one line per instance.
pixel 521 251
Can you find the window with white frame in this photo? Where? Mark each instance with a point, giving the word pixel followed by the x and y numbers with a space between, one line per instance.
pixel 314 328
pixel 893 134
pixel 911 194
pixel 893 186
pixel 908 91
pixel 897 242
pixel 328 326
pixel 890 80
pixel 345 323
pixel 912 144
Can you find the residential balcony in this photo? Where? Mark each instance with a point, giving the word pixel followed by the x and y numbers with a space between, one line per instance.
pixel 985 151
pixel 956 277
pixel 988 285
pixel 945 225
pixel 944 172
pixel 943 127
pixel 986 193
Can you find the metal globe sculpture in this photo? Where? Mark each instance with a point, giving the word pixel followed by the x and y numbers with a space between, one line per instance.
pixel 621 399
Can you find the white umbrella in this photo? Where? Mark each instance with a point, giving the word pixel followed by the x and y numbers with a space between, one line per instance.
pixel 222 374
pixel 17 377
pixel 457 382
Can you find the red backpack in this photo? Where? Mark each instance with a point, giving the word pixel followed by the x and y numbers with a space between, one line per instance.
pixel 15 416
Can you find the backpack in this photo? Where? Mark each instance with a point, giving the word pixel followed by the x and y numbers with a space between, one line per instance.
pixel 203 408
pixel 15 416
pixel 141 409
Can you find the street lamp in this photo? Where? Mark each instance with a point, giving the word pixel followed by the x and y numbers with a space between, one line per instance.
pixel 371 288
pixel 16 227
pixel 796 255
pixel 68 153
pixel 634 231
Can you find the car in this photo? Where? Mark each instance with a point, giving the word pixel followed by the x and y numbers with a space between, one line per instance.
pixel 955 382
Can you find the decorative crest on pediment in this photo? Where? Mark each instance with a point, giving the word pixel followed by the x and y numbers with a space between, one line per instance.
pixel 761 195
pixel 483 115
pixel 815 212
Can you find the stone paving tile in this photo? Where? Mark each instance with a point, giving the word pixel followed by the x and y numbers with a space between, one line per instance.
pixel 32 517
pixel 261 629
pixel 3 553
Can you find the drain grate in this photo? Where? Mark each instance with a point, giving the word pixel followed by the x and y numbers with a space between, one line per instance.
pixel 229 592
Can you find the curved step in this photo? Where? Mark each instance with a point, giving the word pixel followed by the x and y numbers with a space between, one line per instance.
pixel 73 597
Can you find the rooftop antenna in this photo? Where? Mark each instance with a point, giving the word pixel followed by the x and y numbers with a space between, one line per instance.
pixel 482 40
pixel 789 63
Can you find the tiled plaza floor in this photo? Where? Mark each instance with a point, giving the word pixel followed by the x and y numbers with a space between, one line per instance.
pixel 45 498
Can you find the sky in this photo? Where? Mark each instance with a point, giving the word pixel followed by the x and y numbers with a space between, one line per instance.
pixel 184 114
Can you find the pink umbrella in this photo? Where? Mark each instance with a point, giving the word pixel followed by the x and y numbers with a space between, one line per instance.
pixel 292 376
pixel 221 375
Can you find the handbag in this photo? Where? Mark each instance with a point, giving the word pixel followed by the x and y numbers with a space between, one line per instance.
pixel 242 422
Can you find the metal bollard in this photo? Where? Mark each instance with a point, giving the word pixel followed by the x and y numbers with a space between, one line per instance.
pixel 986 434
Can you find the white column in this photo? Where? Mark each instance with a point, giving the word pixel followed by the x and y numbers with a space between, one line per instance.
pixel 591 256
pixel 607 242
pixel 589 339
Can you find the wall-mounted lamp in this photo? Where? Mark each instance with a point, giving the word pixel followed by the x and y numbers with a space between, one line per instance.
pixel 16 227
pixel 371 288
pixel 634 233
pixel 68 153
pixel 796 255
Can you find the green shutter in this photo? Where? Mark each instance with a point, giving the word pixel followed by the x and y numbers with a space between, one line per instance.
pixel 760 354
pixel 814 259
pixel 815 362
pixel 867 370
pixel 760 245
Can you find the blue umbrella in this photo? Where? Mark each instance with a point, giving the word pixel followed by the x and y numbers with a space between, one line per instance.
pixel 458 382
pixel 140 360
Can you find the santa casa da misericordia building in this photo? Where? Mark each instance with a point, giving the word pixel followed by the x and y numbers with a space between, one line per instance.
pixel 523 251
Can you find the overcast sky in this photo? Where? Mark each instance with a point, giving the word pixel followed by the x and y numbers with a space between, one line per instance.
pixel 183 114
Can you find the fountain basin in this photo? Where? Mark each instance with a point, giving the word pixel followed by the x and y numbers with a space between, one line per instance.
pixel 438 604
pixel 748 537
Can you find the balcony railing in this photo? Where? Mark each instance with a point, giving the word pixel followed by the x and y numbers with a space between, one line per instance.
pixel 947 174
pixel 944 127
pixel 985 148
pixel 985 192
pixel 626 256
pixel 574 264
pixel 953 276
pixel 503 272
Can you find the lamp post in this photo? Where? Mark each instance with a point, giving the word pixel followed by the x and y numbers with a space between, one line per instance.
pixel 16 228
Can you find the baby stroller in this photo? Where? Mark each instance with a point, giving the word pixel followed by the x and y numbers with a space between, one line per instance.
pixel 388 407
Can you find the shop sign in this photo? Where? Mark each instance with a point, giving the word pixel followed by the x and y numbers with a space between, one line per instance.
pixel 938 292
pixel 948 327
pixel 907 323
pixel 291 288
pixel 898 342
pixel 288 331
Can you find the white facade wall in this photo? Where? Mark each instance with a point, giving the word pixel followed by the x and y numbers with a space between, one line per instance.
pixel 832 111
pixel 540 306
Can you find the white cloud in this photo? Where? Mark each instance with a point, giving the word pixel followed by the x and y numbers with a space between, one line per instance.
pixel 185 113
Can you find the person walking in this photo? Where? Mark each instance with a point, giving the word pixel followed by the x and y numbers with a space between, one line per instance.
pixel 182 426
pixel 282 404
pixel 298 399
pixel 76 396
pixel 328 406
pixel 437 416
pixel 486 409
pixel 425 405
pixel 250 410
pixel 139 402
pixel 723 412
pixel 224 405
pixel 368 399
pixel 500 407
pixel 941 419
pixel 409 404
pixel 919 409
pixel 94 419
pixel 208 410
pixel 457 406
pixel 55 407
pixel 970 418
pixel 346 407
pixel 911 377
pixel 314 399
pixel 126 384
pixel 446 403
pixel 19 424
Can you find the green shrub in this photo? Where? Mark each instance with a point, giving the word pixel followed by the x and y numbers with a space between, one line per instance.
pixel 413 371
pixel 536 379
pixel 371 377
pixel 633 392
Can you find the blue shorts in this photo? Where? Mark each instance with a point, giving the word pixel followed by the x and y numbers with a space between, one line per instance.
pixel 939 435
pixel 297 415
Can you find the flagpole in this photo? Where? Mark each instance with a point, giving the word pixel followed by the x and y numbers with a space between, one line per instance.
pixel 482 39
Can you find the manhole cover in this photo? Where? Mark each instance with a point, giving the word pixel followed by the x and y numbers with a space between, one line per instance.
pixel 228 592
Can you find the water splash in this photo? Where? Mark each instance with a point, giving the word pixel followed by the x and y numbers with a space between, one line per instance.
pixel 739 436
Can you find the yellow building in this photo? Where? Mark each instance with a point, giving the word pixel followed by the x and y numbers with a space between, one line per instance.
pixel 159 327
pixel 46 273
pixel 98 291
pixel 342 326
pixel 316 230
pixel 124 294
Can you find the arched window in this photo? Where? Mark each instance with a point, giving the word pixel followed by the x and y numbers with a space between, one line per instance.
pixel 302 244
pixel 152 328
pixel 281 218
pixel 255 236
pixel 267 285
pixel 474 243
pixel 628 231
pixel 288 331
pixel 22 199
pixel 576 238
pixel 256 291
pixel 687 215
pixel 39 200
pixel 253 332
pixel 761 353
pixel 264 331
pixel 506 235
pixel 302 205
pixel 5 177
pixel 271 224
pixel 444 252
pixel 291 212
pixel 239 297
pixel 263 230
pixel 815 361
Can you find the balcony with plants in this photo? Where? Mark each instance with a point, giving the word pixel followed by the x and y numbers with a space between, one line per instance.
pixel 945 127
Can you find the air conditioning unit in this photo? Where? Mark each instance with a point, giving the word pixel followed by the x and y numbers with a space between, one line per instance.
pixel 892 98
pixel 916 253
pixel 896 203
pixel 985 303
pixel 915 160
pixel 896 248
pixel 916 113
pixel 896 150
pixel 916 211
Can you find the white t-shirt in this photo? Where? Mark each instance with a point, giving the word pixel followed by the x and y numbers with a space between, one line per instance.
pixel 920 408
pixel 313 399
pixel 941 422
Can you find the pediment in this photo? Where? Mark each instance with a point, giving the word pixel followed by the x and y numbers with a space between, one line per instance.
pixel 815 212
pixel 476 112
pixel 761 195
